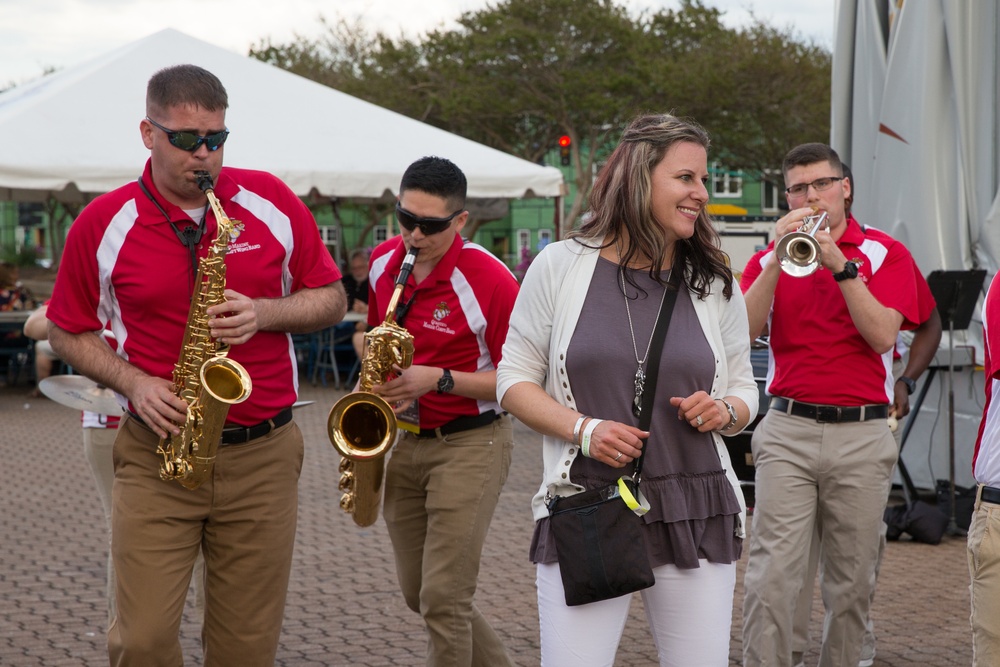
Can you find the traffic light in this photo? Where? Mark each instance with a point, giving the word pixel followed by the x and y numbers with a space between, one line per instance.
pixel 564 144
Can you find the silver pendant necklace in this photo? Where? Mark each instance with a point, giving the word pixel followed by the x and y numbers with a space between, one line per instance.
pixel 640 373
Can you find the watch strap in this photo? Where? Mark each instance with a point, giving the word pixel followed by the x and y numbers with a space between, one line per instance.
pixel 446 382
pixel 850 271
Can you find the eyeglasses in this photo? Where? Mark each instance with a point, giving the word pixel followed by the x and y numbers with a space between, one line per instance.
pixel 428 226
pixel 189 141
pixel 820 184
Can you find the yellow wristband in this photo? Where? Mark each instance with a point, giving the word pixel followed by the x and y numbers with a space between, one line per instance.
pixel 640 506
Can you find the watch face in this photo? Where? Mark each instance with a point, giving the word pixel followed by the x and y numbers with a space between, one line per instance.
pixel 446 383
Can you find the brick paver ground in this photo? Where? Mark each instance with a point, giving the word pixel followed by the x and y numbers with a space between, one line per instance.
pixel 343 606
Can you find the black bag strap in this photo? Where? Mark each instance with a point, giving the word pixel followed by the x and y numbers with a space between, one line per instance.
pixel 653 367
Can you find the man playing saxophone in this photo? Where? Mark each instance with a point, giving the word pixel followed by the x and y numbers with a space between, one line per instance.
pixel 444 476
pixel 132 258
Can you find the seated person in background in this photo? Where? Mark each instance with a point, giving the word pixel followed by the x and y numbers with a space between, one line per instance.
pixel 45 357
pixel 13 295
pixel 356 285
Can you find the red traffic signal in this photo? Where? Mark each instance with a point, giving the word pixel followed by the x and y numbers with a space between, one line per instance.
pixel 564 144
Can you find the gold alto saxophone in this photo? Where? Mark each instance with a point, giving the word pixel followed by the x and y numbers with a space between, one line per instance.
pixel 204 377
pixel 362 425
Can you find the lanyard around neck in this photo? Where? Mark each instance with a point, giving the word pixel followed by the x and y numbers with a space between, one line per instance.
pixel 189 237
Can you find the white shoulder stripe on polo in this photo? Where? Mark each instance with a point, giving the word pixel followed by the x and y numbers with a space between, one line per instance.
pixel 107 255
pixel 277 222
pixel 875 251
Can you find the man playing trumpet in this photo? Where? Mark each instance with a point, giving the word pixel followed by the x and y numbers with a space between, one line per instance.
pixel 823 452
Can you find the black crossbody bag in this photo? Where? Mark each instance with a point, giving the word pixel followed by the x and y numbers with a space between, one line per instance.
pixel 598 536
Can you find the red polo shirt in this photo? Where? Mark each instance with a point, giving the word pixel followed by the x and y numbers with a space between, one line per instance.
pixel 458 317
pixel 816 353
pixel 986 456
pixel 124 264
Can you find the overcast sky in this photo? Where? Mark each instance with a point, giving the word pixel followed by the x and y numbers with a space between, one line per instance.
pixel 39 34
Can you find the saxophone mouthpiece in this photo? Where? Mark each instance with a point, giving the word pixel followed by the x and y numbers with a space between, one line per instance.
pixel 204 180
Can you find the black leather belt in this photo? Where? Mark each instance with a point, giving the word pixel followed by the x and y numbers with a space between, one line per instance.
pixel 461 424
pixel 829 414
pixel 990 495
pixel 237 435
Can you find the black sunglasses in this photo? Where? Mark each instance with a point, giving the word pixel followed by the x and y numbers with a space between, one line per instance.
pixel 189 141
pixel 428 226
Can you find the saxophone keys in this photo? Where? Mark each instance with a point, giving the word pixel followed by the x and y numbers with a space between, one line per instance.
pixel 347 503
pixel 346 482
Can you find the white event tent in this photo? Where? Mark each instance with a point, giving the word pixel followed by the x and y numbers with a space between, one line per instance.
pixel 75 134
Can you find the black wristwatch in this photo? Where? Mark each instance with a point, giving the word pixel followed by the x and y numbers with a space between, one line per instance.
pixel 911 385
pixel 850 271
pixel 446 383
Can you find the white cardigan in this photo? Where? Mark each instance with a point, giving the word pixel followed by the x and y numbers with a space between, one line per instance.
pixel 542 325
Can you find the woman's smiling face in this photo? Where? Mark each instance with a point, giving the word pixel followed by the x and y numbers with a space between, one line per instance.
pixel 679 190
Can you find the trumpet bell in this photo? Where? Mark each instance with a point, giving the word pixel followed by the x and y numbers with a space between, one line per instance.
pixel 798 254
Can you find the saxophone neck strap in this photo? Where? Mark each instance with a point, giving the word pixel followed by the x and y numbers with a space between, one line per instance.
pixel 189 237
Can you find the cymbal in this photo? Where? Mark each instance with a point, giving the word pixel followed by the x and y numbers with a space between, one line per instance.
pixel 77 391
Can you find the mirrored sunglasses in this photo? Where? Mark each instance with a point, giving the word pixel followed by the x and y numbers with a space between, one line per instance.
pixel 428 226
pixel 189 141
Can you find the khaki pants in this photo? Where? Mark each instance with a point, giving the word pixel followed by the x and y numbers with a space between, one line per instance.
pixel 984 571
pixel 808 472
pixel 440 495
pixel 803 607
pixel 243 520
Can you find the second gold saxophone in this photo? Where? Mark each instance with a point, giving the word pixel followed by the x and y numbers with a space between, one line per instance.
pixel 361 425
pixel 204 377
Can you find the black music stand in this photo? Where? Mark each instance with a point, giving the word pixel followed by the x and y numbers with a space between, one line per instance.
pixel 956 293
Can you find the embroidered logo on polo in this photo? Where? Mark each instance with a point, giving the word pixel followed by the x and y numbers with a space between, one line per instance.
pixel 237 229
pixel 245 246
pixel 860 262
pixel 441 311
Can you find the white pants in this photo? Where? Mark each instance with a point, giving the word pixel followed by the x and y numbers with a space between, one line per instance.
pixel 689 612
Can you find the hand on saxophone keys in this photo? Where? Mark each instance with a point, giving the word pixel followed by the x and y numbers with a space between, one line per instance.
pixel 235 320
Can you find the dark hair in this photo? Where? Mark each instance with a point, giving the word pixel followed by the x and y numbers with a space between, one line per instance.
pixel 182 85
pixel 806 154
pixel 436 176
pixel 621 201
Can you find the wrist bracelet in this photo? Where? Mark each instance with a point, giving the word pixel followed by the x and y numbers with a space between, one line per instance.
pixel 587 432
pixel 576 429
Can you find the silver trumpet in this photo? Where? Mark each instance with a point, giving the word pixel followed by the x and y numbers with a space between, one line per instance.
pixel 798 252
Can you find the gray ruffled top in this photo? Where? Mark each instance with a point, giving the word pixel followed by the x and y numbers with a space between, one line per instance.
pixel 694 511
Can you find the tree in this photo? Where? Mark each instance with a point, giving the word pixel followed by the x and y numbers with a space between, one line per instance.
pixel 518 74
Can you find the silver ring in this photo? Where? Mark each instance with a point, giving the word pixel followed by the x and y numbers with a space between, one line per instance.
pixel 699 420
pixel 619 456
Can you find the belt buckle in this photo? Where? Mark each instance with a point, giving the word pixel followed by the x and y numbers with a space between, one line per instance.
pixel 828 414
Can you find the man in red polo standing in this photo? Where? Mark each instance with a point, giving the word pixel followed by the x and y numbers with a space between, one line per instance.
pixel 823 452
pixel 444 476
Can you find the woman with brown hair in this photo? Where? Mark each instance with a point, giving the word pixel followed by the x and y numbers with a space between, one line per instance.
pixel 575 361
